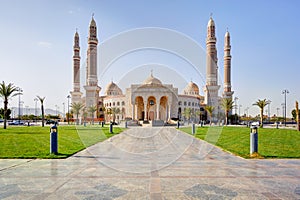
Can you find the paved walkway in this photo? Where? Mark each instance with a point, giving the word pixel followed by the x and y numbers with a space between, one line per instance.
pixel 150 163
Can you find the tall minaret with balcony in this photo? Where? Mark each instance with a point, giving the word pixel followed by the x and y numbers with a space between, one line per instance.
pixel 76 94
pixel 211 89
pixel 91 88
pixel 227 67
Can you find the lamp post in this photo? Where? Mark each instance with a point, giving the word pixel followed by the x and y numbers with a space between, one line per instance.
pixel 285 91
pixel 68 115
pixel 269 103
pixel 235 99
pixel 19 93
pixel 35 108
pixel 64 113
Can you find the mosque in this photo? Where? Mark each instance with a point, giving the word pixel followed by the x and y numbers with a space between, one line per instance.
pixel 151 101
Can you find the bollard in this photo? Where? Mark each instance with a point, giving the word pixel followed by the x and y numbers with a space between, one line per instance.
pixel 178 124
pixel 253 140
pixel 102 124
pixel 53 140
pixel 193 129
pixel 126 124
pixel 110 128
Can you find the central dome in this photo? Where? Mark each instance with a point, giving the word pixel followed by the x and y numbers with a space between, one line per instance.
pixel 152 81
pixel 112 89
pixel 191 89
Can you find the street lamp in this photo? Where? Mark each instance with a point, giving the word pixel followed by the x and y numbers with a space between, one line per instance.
pixel 235 99
pixel 268 102
pixel 19 93
pixel 68 115
pixel 64 113
pixel 285 92
pixel 35 108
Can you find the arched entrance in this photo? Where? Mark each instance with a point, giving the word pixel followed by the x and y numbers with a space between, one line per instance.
pixel 163 111
pixel 139 102
pixel 151 105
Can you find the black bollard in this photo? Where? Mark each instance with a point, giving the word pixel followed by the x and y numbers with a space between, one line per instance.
pixel 178 124
pixel 193 129
pixel 253 140
pixel 110 128
pixel 53 140
pixel 102 124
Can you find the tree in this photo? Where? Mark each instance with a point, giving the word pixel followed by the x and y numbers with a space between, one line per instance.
pixel 115 111
pixel 76 107
pixel 92 110
pixel 261 104
pixel 227 105
pixel 6 92
pixel 187 114
pixel 42 99
pixel 210 110
pixel 8 112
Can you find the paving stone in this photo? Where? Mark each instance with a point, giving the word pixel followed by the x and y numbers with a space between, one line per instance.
pixel 150 163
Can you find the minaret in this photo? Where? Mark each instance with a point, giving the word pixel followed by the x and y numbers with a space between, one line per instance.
pixel 91 88
pixel 76 94
pixel 212 88
pixel 227 67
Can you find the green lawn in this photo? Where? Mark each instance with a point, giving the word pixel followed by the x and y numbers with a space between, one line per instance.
pixel 272 143
pixel 34 142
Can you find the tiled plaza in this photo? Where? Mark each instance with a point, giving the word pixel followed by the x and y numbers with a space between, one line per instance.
pixel 150 163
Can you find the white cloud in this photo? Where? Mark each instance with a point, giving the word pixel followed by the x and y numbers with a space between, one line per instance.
pixel 44 44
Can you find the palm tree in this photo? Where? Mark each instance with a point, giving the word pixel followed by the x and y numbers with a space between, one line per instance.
pixel 114 112
pixel 84 114
pixel 187 114
pixel 261 104
pixel 227 105
pixel 42 108
pixel 76 107
pixel 92 110
pixel 210 110
pixel 7 91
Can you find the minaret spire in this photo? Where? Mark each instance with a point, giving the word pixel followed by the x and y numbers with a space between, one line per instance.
pixel 76 94
pixel 211 89
pixel 92 89
pixel 227 67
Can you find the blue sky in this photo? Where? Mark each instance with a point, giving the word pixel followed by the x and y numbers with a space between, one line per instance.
pixel 37 38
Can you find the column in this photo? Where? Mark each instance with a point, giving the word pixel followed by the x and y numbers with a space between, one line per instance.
pixel 145 111
pixel 169 112
pixel 133 111
pixel 157 111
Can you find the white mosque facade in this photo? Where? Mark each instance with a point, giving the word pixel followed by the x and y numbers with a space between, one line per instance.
pixel 151 100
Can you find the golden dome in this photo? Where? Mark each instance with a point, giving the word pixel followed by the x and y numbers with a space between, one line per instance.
pixel 152 81
pixel 191 89
pixel 113 89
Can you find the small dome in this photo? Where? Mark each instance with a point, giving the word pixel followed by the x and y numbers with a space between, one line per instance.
pixel 93 23
pixel 227 34
pixel 152 81
pixel 191 89
pixel 112 89
pixel 211 22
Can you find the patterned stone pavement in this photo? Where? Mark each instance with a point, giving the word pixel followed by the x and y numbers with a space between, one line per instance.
pixel 150 163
